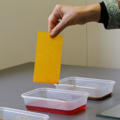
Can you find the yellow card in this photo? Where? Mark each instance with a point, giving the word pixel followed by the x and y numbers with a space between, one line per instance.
pixel 48 58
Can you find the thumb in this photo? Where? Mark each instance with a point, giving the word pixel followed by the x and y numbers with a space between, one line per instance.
pixel 58 28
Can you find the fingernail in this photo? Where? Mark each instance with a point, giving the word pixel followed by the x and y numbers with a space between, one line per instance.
pixel 52 33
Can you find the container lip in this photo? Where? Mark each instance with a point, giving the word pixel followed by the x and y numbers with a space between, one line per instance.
pixel 77 86
pixel 34 114
pixel 85 79
pixel 84 94
pixel 88 79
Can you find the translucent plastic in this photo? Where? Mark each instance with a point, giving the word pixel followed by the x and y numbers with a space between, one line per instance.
pixel 97 88
pixel 13 114
pixel 55 101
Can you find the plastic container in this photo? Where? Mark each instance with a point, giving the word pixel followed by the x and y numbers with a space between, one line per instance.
pixel 13 114
pixel 55 101
pixel 97 88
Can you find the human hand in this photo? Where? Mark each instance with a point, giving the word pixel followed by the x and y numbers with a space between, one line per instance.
pixel 69 16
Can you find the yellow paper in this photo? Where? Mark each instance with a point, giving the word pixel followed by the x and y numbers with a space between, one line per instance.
pixel 48 58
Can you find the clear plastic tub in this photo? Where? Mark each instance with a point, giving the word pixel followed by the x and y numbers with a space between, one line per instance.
pixel 13 114
pixel 97 88
pixel 55 101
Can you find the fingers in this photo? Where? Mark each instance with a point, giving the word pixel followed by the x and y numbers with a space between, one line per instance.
pixel 54 18
pixel 58 28
pixel 52 21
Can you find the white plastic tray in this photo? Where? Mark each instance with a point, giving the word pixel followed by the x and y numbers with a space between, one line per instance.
pixel 13 114
pixel 54 99
pixel 97 88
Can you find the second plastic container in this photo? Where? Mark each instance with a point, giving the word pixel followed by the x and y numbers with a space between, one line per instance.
pixel 97 88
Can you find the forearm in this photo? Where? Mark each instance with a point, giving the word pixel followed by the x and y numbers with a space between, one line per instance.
pixel 107 12
pixel 92 13
pixel 87 13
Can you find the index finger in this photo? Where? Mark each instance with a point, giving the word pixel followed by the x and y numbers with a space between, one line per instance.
pixel 53 19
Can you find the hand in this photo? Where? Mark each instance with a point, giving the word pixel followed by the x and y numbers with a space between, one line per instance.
pixel 69 15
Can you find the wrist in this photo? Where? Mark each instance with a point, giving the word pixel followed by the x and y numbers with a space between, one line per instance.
pixel 92 13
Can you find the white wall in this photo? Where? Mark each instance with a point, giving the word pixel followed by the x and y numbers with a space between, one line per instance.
pixel 20 20
pixel 74 44
pixel 103 45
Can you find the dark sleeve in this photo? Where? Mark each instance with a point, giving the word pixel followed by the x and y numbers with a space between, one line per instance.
pixel 104 15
